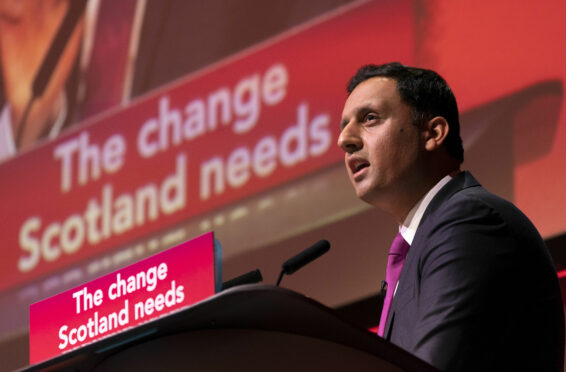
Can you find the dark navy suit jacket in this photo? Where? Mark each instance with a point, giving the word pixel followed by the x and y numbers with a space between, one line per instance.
pixel 478 291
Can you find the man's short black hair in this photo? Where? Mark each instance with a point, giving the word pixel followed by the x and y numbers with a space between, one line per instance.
pixel 426 92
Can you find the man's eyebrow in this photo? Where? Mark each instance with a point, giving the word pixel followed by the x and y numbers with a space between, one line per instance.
pixel 361 111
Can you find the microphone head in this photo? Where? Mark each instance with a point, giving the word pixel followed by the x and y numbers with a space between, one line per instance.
pixel 251 277
pixel 308 255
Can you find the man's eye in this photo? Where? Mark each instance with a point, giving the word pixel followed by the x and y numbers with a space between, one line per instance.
pixel 371 117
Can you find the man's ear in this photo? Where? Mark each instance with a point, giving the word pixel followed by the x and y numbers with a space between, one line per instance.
pixel 435 132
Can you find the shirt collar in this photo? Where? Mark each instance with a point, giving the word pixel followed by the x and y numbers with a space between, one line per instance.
pixel 409 227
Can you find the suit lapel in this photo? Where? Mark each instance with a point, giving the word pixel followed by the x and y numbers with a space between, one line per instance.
pixel 461 181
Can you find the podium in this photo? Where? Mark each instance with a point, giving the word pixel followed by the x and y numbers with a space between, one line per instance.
pixel 250 327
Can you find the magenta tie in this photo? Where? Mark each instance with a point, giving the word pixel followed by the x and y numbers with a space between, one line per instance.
pixel 397 254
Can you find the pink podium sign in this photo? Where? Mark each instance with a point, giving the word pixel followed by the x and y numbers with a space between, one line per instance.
pixel 152 288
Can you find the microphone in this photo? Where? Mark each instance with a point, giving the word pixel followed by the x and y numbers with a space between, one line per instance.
pixel 307 256
pixel 58 45
pixel 251 277
pixel 51 59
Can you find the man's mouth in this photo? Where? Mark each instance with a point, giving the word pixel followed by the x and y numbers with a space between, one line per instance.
pixel 361 166
pixel 357 165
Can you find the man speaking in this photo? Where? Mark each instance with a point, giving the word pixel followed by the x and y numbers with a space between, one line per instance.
pixel 470 284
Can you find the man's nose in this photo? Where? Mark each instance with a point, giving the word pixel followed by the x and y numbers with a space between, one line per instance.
pixel 349 139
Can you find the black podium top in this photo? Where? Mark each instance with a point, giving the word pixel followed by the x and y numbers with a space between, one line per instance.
pixel 251 327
